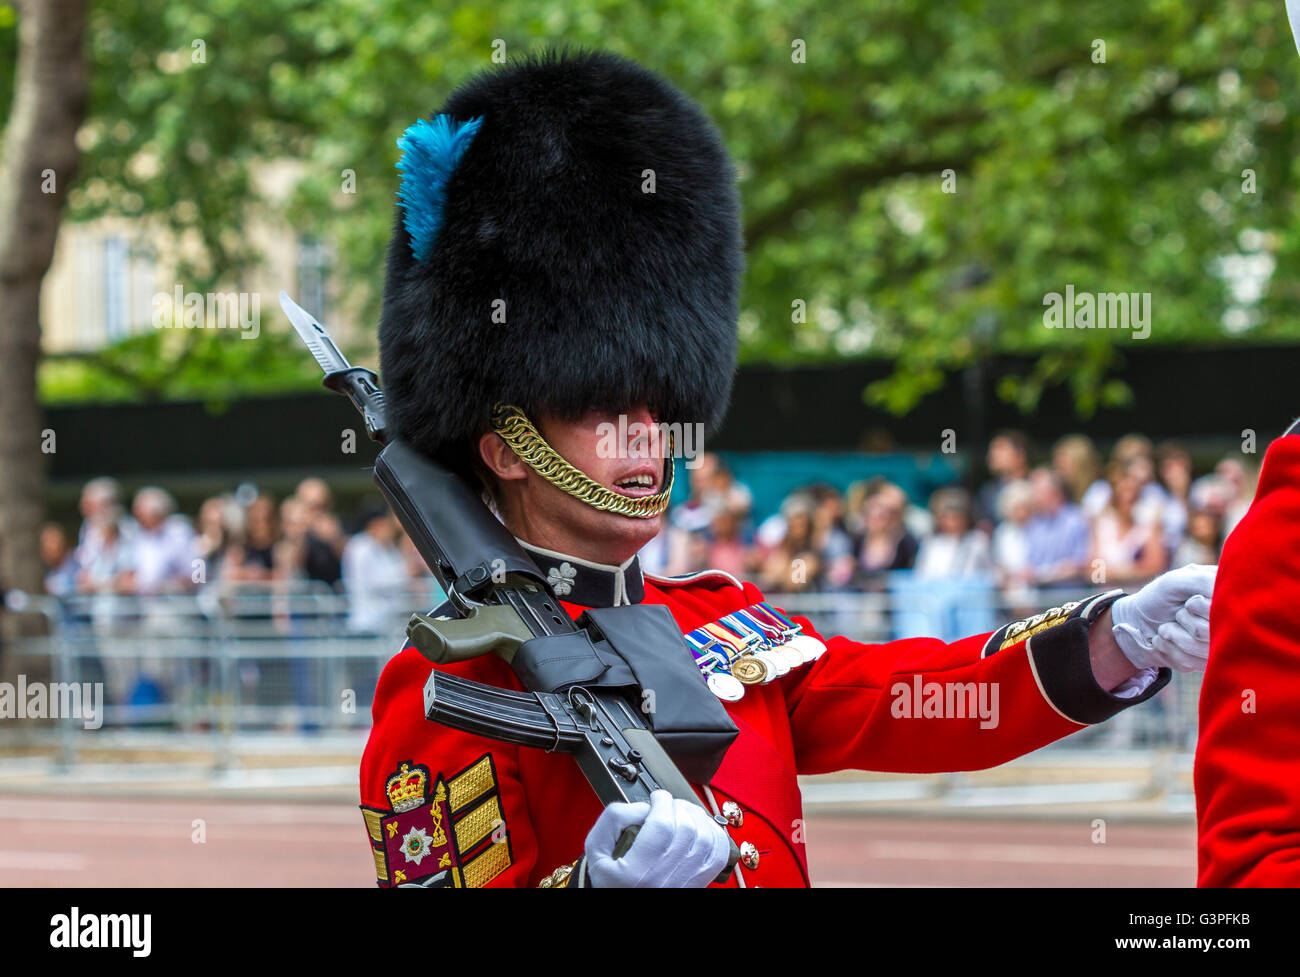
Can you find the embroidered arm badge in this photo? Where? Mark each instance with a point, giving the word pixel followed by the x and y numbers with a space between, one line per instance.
pixel 440 832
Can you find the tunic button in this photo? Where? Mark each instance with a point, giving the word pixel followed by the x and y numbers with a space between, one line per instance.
pixel 748 855
pixel 734 815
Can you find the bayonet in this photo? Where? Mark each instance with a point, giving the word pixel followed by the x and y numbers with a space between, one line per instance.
pixel 358 384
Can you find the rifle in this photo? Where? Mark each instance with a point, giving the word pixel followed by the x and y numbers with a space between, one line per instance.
pixel 583 677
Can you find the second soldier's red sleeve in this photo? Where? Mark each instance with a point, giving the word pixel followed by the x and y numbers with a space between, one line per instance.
pixel 1248 756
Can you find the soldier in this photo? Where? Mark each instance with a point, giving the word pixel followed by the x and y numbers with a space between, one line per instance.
pixel 564 269
pixel 1247 772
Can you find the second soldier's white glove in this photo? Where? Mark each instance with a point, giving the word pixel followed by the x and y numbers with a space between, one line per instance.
pixel 679 846
pixel 1166 624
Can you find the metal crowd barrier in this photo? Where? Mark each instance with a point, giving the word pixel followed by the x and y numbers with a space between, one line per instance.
pixel 230 660
pixel 282 664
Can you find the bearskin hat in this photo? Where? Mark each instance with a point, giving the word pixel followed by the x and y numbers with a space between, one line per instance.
pixel 567 239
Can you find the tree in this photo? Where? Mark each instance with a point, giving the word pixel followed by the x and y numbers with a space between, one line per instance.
pixel 1103 144
pixel 38 160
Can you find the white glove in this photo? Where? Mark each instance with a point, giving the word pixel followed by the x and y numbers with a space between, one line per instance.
pixel 679 846
pixel 1167 622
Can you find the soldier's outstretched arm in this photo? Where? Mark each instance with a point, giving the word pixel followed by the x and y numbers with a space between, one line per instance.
pixel 924 706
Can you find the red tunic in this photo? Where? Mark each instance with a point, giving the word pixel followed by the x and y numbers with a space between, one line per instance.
pixel 847 710
pixel 1248 756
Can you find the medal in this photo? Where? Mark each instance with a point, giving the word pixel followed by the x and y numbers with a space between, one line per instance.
pixel 777 663
pixel 755 645
pixel 726 686
pixel 775 640
pixel 751 670
pixel 790 655
pixel 808 647
pixel 746 643
pixel 712 660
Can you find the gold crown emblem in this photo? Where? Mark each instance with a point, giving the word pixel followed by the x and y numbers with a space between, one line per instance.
pixel 407 788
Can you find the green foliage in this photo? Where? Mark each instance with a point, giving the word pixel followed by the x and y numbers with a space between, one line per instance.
pixel 1125 175
pixel 166 364
pixel 8 52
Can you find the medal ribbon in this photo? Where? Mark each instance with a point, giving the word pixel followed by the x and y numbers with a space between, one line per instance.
pixel 766 611
pixel 718 644
pixel 704 646
pixel 739 637
pixel 773 634
pixel 750 628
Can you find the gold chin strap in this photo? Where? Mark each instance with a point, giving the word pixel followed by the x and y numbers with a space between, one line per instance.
pixel 526 441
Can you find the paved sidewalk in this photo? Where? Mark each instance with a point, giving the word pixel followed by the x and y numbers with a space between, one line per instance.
pixel 205 841
pixel 1047 784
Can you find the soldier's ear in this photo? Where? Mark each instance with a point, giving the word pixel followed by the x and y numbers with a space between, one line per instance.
pixel 500 459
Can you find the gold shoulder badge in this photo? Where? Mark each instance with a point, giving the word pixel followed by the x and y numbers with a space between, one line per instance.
pixel 440 832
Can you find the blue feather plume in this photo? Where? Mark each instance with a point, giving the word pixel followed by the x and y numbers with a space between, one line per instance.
pixel 431 151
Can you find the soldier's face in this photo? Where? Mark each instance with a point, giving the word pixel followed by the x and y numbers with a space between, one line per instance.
pixel 623 453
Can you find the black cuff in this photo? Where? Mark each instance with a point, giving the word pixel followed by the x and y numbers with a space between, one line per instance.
pixel 1018 631
pixel 1062 666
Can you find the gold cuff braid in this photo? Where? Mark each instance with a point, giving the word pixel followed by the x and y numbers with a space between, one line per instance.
pixel 516 430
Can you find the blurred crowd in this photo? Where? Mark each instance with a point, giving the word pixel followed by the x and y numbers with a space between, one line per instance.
pixel 1074 520
pixel 245 538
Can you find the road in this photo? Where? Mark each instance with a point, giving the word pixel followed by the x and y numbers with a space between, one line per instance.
pixel 52 841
